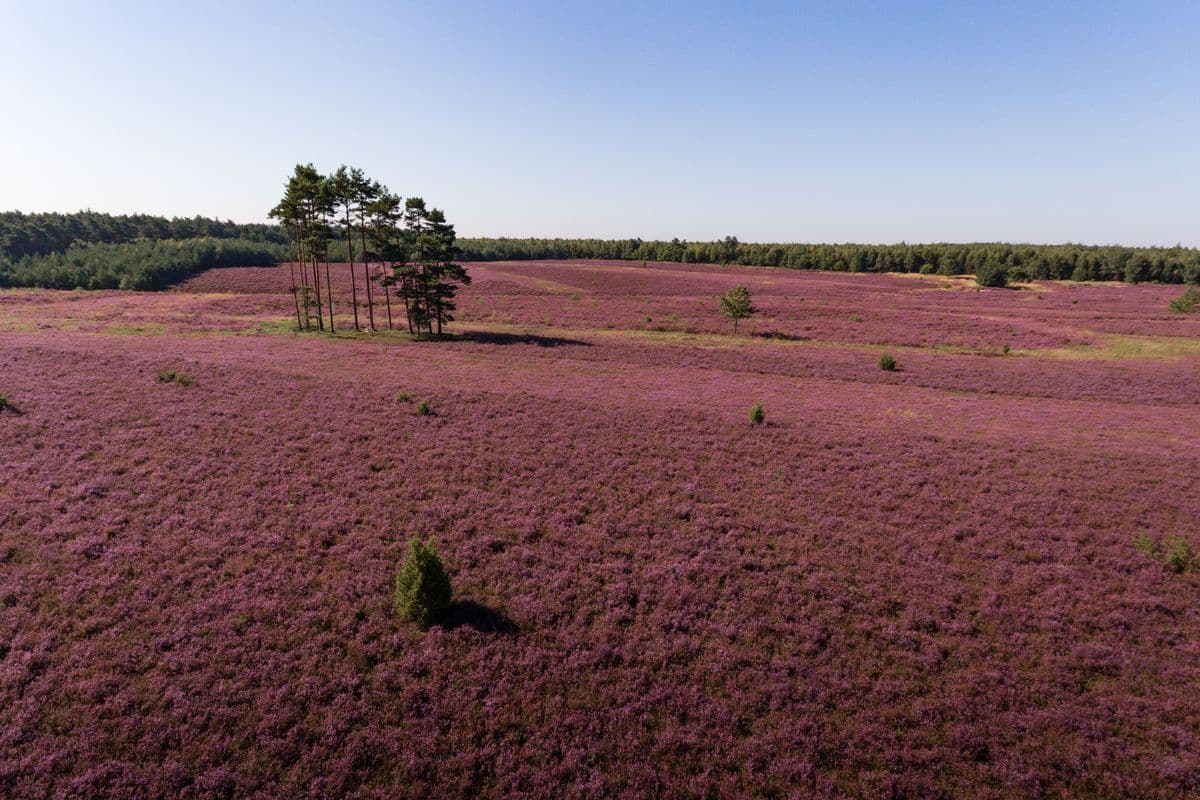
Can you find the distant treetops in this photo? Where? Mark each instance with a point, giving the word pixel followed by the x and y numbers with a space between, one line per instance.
pixel 406 248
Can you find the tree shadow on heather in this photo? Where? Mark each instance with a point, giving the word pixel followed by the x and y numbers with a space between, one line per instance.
pixel 780 337
pixel 491 337
pixel 469 614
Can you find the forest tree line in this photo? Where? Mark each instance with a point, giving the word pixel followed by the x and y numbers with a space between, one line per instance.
pixel 141 265
pixel 38 234
pixel 32 235
pixel 1021 261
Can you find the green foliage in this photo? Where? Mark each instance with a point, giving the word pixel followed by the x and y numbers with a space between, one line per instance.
pixel 3 402
pixel 424 409
pixel 39 234
pixel 887 363
pixel 1178 554
pixel 1006 349
pixel 1187 302
pixel 402 397
pixel 141 265
pixel 1145 545
pixel 757 415
pixel 174 376
pixel 991 274
pixel 423 589
pixel 736 304
pixel 1038 262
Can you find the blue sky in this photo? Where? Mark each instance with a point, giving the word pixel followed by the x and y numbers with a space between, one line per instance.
pixel 840 121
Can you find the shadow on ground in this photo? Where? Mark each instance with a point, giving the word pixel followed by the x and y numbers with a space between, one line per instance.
pixel 469 614
pixel 780 337
pixel 489 337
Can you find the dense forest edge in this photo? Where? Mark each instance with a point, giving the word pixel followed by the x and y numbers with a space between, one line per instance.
pixel 93 250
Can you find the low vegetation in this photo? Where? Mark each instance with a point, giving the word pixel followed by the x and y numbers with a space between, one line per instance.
pixel 1187 302
pixel 757 415
pixel 174 376
pixel 887 363
pixel 904 585
pixel 1176 552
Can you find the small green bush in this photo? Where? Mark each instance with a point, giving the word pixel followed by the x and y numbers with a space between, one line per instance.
pixel 1178 554
pixel 1187 302
pixel 757 415
pixel 3 402
pixel 424 409
pixel 927 269
pixel 172 376
pixel 1006 349
pixel 887 363
pixel 995 275
pixel 1145 545
pixel 423 589
pixel 402 397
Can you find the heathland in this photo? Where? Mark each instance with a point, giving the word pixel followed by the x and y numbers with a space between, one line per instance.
pixel 969 575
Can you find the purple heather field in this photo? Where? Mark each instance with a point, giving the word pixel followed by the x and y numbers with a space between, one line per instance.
pixel 909 584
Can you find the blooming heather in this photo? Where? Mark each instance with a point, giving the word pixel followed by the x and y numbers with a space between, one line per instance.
pixel 919 583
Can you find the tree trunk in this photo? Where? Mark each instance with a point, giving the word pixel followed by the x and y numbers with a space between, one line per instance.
pixel 292 273
pixel 367 276
pixel 407 305
pixel 329 295
pixel 316 271
pixel 387 296
pixel 353 282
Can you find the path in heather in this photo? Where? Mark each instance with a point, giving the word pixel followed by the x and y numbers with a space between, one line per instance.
pixel 918 583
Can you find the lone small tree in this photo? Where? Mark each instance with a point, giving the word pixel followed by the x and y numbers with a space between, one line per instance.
pixel 737 305
pixel 422 587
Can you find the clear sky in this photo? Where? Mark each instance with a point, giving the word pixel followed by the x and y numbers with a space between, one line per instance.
pixel 838 121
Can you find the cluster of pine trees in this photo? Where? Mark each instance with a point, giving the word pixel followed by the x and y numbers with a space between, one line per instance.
pixel 38 234
pixel 1020 262
pixel 140 265
pixel 404 247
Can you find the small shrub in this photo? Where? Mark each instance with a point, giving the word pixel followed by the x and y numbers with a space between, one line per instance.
pixel 424 409
pixel 422 586
pixel 1006 349
pixel 927 269
pixel 3 402
pixel 172 376
pixel 402 397
pixel 887 363
pixel 1145 545
pixel 1187 302
pixel 757 415
pixel 994 275
pixel 1178 554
